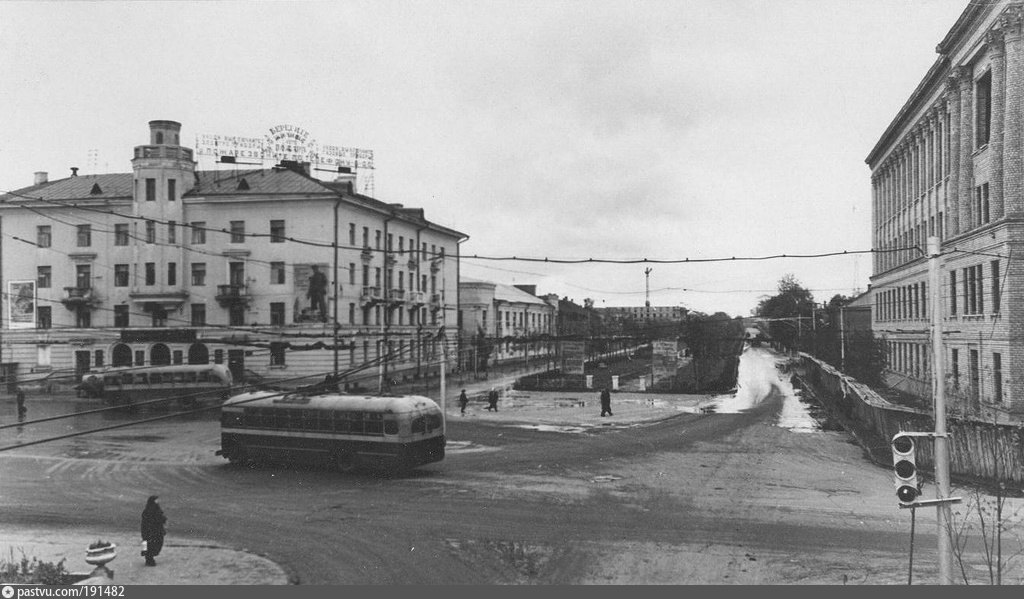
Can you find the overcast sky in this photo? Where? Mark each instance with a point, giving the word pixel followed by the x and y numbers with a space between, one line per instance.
pixel 592 129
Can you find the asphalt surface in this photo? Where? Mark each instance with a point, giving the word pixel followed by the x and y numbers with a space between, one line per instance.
pixel 188 560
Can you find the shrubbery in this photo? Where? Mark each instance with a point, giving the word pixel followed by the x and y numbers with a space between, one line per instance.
pixel 31 571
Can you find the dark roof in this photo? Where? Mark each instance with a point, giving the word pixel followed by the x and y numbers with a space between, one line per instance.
pixel 256 182
pixel 110 186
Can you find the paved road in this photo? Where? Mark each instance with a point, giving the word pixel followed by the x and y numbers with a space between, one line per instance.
pixel 690 498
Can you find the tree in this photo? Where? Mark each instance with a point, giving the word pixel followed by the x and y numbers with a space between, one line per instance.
pixel 792 301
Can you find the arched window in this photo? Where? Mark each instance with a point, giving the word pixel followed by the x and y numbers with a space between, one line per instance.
pixel 198 354
pixel 121 356
pixel 160 355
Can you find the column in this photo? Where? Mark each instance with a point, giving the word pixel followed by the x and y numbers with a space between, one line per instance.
pixel 995 187
pixel 953 189
pixel 1013 168
pixel 963 205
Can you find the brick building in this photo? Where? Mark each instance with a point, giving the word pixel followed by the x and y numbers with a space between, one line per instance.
pixel 270 271
pixel 950 165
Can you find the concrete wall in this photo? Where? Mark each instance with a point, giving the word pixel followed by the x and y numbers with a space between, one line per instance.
pixel 978 450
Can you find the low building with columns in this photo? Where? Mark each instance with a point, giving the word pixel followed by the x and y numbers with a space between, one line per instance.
pixel 950 165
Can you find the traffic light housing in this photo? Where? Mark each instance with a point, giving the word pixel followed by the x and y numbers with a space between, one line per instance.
pixel 904 464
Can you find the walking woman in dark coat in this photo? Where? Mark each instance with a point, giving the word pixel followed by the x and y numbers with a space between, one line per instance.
pixel 153 532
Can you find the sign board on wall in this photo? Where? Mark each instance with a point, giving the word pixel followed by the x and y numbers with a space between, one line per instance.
pixel 21 304
pixel 665 359
pixel 574 353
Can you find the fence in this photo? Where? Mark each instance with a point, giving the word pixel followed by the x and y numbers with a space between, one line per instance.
pixel 978 449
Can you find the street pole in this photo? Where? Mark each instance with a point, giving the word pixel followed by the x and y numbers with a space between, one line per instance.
pixel 943 516
pixel 444 353
pixel 842 340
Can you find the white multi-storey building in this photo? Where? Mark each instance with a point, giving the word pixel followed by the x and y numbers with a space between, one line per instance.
pixel 270 271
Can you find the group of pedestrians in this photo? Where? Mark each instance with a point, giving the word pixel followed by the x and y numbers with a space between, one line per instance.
pixel 492 402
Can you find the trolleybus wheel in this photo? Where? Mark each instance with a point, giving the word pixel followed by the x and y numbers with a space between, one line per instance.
pixel 345 462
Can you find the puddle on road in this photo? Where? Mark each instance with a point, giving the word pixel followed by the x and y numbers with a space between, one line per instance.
pixel 758 374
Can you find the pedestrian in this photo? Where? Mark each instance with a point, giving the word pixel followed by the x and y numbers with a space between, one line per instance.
pixel 492 400
pixel 153 531
pixel 19 395
pixel 463 402
pixel 606 402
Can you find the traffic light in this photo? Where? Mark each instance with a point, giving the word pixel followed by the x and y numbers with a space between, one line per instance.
pixel 904 463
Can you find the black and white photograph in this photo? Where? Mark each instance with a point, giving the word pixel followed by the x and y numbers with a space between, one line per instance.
pixel 481 293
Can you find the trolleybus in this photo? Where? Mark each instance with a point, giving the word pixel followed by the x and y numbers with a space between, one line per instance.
pixel 396 432
pixel 129 384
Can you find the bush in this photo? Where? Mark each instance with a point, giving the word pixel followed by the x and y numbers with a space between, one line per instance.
pixel 31 571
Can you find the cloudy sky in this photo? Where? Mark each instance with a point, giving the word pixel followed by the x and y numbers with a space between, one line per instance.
pixel 547 129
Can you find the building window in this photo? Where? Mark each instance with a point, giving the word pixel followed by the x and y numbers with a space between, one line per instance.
pixel 84 236
pixel 199 232
pixel 236 315
pixel 277 353
pixel 140 357
pixel 238 231
pixel 178 357
pixel 121 275
pixel 121 317
pixel 44 318
pixel 366 237
pixel 151 273
pixel 981 205
pixel 277 231
pixel 198 315
pixel 121 234
pixel 198 274
pixel 83 318
pixel 996 300
pixel 159 316
pixel 172 232
pixel 391 242
pixel 83 276
pixel 351 273
pixel 352 234
pixel 277 314
pixel 44 276
pixel 172 273
pixel 44 236
pixel 150 190
pixel 150 231
pixel 983 109
pixel 172 194
pixel 376 239
pixel 952 293
pixel 997 377
pixel 351 313
pixel 218 356
pixel 277 273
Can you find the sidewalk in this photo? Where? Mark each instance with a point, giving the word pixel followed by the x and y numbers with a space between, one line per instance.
pixel 180 561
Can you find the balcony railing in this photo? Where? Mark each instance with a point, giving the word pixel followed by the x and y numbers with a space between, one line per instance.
pixel 229 295
pixel 396 296
pixel 164 152
pixel 415 298
pixel 79 297
pixel 370 295
pixel 366 254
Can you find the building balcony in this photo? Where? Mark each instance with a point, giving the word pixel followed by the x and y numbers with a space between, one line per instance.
pixel 435 301
pixel 413 264
pixel 370 296
pixel 414 298
pixel 232 295
pixel 390 259
pixel 396 296
pixel 168 299
pixel 79 297
pixel 366 254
